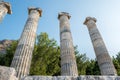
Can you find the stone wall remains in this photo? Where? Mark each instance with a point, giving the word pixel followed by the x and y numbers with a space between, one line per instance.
pixel 87 77
pixel 7 73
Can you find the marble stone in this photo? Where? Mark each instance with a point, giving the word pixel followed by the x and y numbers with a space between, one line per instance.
pixel 7 73
pixel 82 77
pixel 5 8
pixel 104 61
pixel 68 60
pixel 23 54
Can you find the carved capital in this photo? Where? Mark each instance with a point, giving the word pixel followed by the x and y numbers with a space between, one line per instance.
pixel 63 13
pixel 7 5
pixel 33 8
pixel 88 19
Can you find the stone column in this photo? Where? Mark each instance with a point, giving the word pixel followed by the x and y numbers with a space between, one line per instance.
pixel 68 60
pixel 23 55
pixel 104 61
pixel 5 8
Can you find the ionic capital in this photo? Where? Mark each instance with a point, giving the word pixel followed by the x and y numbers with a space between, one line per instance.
pixel 7 5
pixel 63 14
pixel 33 8
pixel 89 19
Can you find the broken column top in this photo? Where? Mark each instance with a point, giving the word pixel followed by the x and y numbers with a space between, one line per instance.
pixel 89 18
pixel 7 5
pixel 33 8
pixel 63 13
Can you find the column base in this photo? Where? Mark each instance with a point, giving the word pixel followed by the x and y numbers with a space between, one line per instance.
pixel 82 77
pixel 8 73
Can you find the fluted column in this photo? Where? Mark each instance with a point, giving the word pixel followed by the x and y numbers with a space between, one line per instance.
pixel 5 8
pixel 68 60
pixel 23 55
pixel 104 61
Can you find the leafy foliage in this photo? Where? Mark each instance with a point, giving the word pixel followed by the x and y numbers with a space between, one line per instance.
pixel 6 59
pixel 46 58
pixel 116 62
pixel 92 68
pixel 82 62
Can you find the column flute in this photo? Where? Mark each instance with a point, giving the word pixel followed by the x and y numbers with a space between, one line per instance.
pixel 104 61
pixel 68 60
pixel 23 54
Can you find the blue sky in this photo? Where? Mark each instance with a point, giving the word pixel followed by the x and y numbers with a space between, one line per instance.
pixel 106 12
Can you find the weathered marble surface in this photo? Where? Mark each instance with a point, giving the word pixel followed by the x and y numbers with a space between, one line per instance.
pixel 71 78
pixel 68 60
pixel 23 54
pixel 7 73
pixel 104 61
pixel 5 8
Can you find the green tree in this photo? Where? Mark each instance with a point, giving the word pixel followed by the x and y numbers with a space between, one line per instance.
pixel 82 61
pixel 116 62
pixel 2 60
pixel 92 68
pixel 46 57
pixel 118 57
pixel 6 59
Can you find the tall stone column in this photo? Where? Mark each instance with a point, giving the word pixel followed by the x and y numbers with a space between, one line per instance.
pixel 104 61
pixel 68 60
pixel 5 8
pixel 23 54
